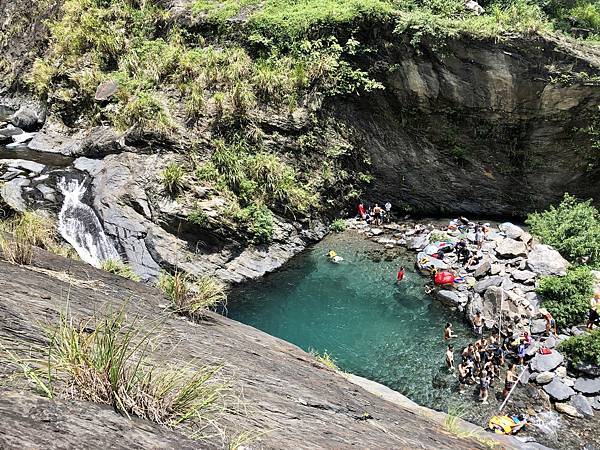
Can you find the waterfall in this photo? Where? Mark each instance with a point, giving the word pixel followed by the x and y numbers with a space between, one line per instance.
pixel 80 227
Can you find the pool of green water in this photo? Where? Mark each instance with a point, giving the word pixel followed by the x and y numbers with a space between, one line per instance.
pixel 387 332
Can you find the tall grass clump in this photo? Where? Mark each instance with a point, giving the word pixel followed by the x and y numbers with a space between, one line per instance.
pixel 107 360
pixel 193 297
pixel 120 268
pixel 326 359
pixel 172 178
pixel 28 230
pixel 338 225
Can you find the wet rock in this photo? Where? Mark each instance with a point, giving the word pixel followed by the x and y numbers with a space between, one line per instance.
pixel 544 260
pixel 106 90
pixel 6 134
pixel 52 142
pixel 510 230
pixel 23 164
pixel 568 409
pixel 22 138
pixel 582 405
pixel 27 119
pixel 558 390
pixel 544 377
pixel 509 248
pixel 376 231
pixel 482 269
pixel 12 193
pixel 545 363
pixel 483 285
pixel 588 386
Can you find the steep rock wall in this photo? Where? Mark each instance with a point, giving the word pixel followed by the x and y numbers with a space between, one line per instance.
pixel 479 127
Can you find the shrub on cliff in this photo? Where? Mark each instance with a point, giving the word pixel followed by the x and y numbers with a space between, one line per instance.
pixel 573 228
pixel 567 298
pixel 583 349
pixel 120 268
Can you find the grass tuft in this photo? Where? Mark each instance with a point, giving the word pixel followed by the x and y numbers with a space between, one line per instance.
pixel 107 360
pixel 172 178
pixel 120 268
pixel 193 297
pixel 326 359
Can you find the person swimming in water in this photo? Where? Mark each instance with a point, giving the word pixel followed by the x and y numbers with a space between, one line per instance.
pixel 400 274
pixel 448 333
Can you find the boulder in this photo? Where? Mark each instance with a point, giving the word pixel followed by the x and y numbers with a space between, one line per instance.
pixel 106 90
pixel 550 342
pixel 510 230
pixel 558 390
pixel 595 403
pixel 544 363
pixel 590 386
pixel 23 164
pixel 450 298
pixel 568 409
pixel 22 138
pixel 482 285
pixel 418 242
pixel 523 275
pixel 582 405
pixel 376 231
pixel 544 260
pixel 496 269
pixel 12 193
pixel 509 248
pixel 101 141
pixel 544 377
pixel 27 119
pixel 538 326
pixel 53 143
pixel 482 269
pixel 526 237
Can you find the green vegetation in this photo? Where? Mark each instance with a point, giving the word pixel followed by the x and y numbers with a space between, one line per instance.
pixel 172 178
pixel 584 348
pixel 193 297
pixel 326 359
pixel 573 228
pixel 568 297
pixel 109 361
pixel 259 220
pixel 198 217
pixel 28 230
pixel 338 225
pixel 120 268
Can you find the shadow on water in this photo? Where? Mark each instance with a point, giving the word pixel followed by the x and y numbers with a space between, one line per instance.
pixel 387 332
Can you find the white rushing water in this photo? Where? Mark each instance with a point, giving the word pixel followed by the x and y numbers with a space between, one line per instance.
pixel 80 227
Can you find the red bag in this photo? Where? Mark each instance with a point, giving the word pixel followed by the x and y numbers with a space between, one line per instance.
pixel 545 351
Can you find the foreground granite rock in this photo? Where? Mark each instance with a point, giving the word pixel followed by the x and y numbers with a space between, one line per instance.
pixel 297 402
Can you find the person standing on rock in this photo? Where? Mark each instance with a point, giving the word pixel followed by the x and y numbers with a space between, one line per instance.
pixel 479 237
pixel 361 211
pixel 550 322
pixel 377 214
pixel 484 387
pixel 388 211
pixel 478 323
pixel 510 379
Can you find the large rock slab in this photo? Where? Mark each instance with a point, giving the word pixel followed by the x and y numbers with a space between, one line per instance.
pixel 52 142
pixel 418 242
pixel 450 298
pixel 544 260
pixel 545 363
pixel 12 193
pixel 590 386
pixel 544 377
pixel 558 390
pixel 23 164
pixel 582 405
pixel 510 248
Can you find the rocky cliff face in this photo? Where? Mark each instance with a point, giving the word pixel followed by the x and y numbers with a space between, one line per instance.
pixel 284 396
pixel 480 127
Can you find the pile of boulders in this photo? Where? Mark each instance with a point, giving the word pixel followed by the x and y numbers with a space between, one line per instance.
pixel 501 286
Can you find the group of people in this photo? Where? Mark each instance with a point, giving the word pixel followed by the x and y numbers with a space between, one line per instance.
pixel 482 360
pixel 375 215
